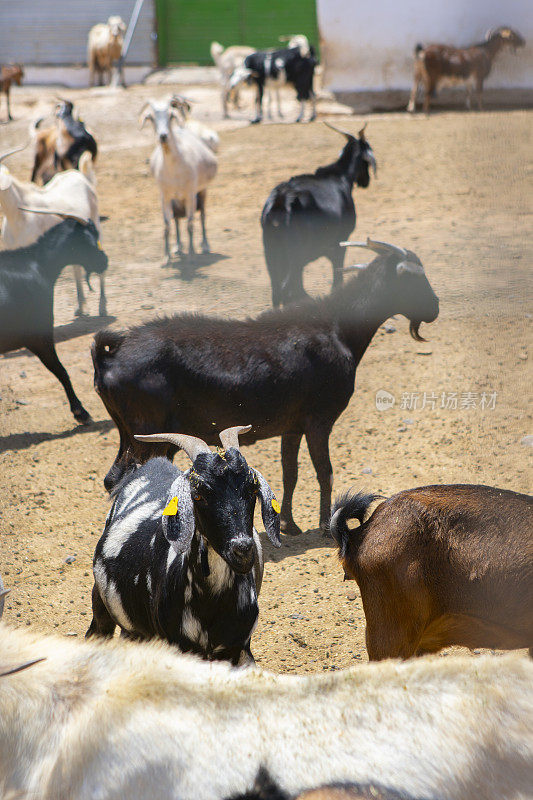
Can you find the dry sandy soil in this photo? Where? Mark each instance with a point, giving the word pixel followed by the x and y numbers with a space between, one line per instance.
pixel 454 188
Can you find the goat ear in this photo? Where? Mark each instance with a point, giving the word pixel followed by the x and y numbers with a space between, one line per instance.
pixel 5 180
pixel 409 266
pixel 178 515
pixel 146 114
pixel 269 510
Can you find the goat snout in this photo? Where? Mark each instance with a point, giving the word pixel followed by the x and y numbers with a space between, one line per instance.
pixel 163 138
pixel 242 555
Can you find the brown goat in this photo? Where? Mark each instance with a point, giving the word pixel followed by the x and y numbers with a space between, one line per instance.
pixel 9 74
pixel 44 141
pixel 440 64
pixel 440 566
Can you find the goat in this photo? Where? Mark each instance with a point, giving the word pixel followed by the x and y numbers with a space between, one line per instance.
pixel 439 64
pixel 440 566
pixel 68 192
pixel 67 145
pixel 104 48
pixel 265 788
pixel 183 166
pixel 308 215
pixel 9 74
pixel 138 720
pixel 228 60
pixel 207 135
pixel 279 67
pixel 179 557
pixel 290 371
pixel 27 279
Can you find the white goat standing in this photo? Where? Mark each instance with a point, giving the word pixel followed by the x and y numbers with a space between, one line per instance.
pixel 183 166
pixel 68 192
pixel 227 61
pixel 137 721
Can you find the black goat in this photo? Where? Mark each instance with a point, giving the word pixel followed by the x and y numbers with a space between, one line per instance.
pixel 73 138
pixel 179 557
pixel 290 371
pixel 27 280
pixel 275 68
pixel 308 215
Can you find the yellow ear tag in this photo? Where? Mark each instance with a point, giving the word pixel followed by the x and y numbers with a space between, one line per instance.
pixel 99 244
pixel 172 509
pixel 276 505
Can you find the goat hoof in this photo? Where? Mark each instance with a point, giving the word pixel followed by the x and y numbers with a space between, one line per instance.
pixel 82 416
pixel 80 312
pixel 102 311
pixel 256 121
pixel 290 528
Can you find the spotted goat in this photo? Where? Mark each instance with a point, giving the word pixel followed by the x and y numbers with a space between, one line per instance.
pixel 179 558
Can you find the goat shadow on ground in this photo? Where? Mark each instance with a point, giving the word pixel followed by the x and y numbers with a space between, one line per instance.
pixel 80 326
pixel 313 539
pixel 187 268
pixel 22 441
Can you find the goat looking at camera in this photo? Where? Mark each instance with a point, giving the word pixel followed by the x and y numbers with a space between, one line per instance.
pixel 179 558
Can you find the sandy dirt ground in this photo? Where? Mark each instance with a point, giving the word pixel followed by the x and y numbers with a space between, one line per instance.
pixel 454 188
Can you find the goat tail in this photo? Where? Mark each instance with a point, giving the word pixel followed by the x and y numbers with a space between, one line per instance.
pixel 105 345
pixel 85 166
pixel 216 51
pixel 276 211
pixel 349 506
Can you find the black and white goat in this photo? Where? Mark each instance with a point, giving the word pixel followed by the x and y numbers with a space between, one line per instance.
pixel 274 68
pixel 307 216
pixel 179 558
pixel 27 280
pixel 291 370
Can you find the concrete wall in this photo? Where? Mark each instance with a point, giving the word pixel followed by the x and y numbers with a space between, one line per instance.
pixel 54 32
pixel 367 45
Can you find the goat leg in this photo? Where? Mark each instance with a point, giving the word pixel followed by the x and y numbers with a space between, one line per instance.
pixel 318 445
pixel 201 207
pixel 290 445
pixel 45 350
pixel 78 277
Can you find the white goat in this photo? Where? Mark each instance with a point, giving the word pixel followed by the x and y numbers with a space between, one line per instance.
pixel 228 60
pixel 137 720
pixel 105 48
pixel 68 192
pixel 183 166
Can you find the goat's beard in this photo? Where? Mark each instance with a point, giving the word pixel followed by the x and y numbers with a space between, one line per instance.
pixel 413 330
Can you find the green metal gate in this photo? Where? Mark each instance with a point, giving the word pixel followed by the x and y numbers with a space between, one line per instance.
pixel 186 28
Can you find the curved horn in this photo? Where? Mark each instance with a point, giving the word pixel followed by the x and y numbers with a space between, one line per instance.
pixel 361 133
pixel 338 130
pixel 413 330
pixel 383 248
pixel 13 150
pixel 189 444
pixel 145 113
pixel 230 436
pixel 64 214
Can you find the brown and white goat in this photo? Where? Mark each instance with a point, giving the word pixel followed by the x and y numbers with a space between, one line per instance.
pixel 104 48
pixel 439 64
pixel 440 566
pixel 9 74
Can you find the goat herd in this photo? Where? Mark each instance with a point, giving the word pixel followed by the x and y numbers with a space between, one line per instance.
pixel 179 559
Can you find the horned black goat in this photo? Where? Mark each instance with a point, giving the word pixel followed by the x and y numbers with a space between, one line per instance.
pixel 307 216
pixel 179 557
pixel 27 280
pixel 73 138
pixel 290 371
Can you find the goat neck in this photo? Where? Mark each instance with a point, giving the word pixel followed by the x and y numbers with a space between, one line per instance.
pixel 362 305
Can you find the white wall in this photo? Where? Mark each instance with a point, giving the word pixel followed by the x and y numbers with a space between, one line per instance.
pixel 368 44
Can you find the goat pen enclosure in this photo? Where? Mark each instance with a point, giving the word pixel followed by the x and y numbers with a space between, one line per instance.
pixel 185 30
pixel 453 188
